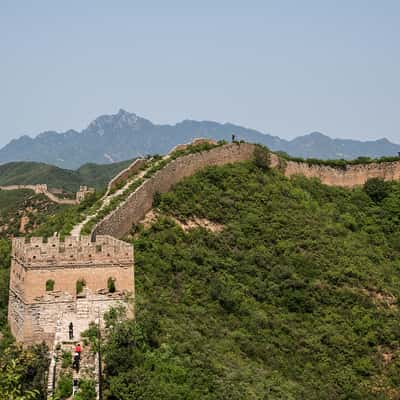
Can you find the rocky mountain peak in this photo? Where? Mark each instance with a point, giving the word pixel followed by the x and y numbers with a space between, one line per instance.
pixel 124 135
pixel 122 119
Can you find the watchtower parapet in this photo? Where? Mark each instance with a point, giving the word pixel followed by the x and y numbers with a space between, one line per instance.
pixel 37 251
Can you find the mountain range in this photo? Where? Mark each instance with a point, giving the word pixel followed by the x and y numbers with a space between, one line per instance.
pixel 123 136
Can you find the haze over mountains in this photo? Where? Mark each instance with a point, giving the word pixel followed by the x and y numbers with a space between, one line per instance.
pixel 123 136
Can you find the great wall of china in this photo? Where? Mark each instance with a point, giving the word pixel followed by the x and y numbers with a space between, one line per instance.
pixel 134 208
pixel 42 188
pixel 44 273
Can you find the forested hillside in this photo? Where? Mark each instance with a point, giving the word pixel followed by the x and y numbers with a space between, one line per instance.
pixel 30 173
pixel 21 211
pixel 296 298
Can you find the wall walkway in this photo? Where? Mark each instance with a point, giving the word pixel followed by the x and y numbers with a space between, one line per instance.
pixel 39 189
pixel 134 208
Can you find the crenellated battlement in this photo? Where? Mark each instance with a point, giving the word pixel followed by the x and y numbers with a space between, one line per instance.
pixel 37 251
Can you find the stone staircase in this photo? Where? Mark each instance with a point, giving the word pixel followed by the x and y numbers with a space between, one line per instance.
pixel 82 310
pixel 105 201
pixel 51 379
pixel 62 344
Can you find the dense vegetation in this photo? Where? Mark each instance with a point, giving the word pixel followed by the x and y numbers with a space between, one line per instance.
pixel 62 223
pixel 22 372
pixel 5 251
pixel 18 204
pixel 30 173
pixel 295 299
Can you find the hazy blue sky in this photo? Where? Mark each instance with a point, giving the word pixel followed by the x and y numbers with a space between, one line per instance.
pixel 283 67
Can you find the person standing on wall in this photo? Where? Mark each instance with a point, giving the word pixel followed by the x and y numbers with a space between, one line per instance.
pixel 71 331
pixel 78 350
pixel 75 364
pixel 75 384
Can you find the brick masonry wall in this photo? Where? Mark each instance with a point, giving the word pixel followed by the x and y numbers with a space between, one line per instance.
pixel 40 189
pixel 353 175
pixel 120 221
pixel 37 322
pixel 350 176
pixel 65 278
pixel 134 168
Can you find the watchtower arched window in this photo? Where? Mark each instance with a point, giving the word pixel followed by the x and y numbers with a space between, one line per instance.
pixel 80 285
pixel 49 285
pixel 111 284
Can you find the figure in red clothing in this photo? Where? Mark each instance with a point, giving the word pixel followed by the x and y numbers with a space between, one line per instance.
pixel 78 350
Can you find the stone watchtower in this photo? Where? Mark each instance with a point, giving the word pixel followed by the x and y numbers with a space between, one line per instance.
pixel 54 282
pixel 83 192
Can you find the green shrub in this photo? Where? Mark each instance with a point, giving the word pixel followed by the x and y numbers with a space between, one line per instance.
pixel 111 284
pixel 80 285
pixel 66 359
pixel 262 157
pixel 64 386
pixel 87 390
pixel 49 285
pixel 377 189
pixel 156 199
pixel 91 335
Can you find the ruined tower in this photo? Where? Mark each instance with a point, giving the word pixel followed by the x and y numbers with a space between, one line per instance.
pixel 83 192
pixel 55 282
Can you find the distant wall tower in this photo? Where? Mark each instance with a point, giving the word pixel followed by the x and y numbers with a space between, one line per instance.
pixel 66 280
pixel 83 192
pixel 40 188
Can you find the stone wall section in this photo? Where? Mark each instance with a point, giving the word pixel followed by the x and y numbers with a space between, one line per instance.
pixel 35 322
pixel 135 207
pixel 16 314
pixel 125 174
pixel 42 189
pixel 131 211
pixel 350 176
pixel 39 188
pixel 194 142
